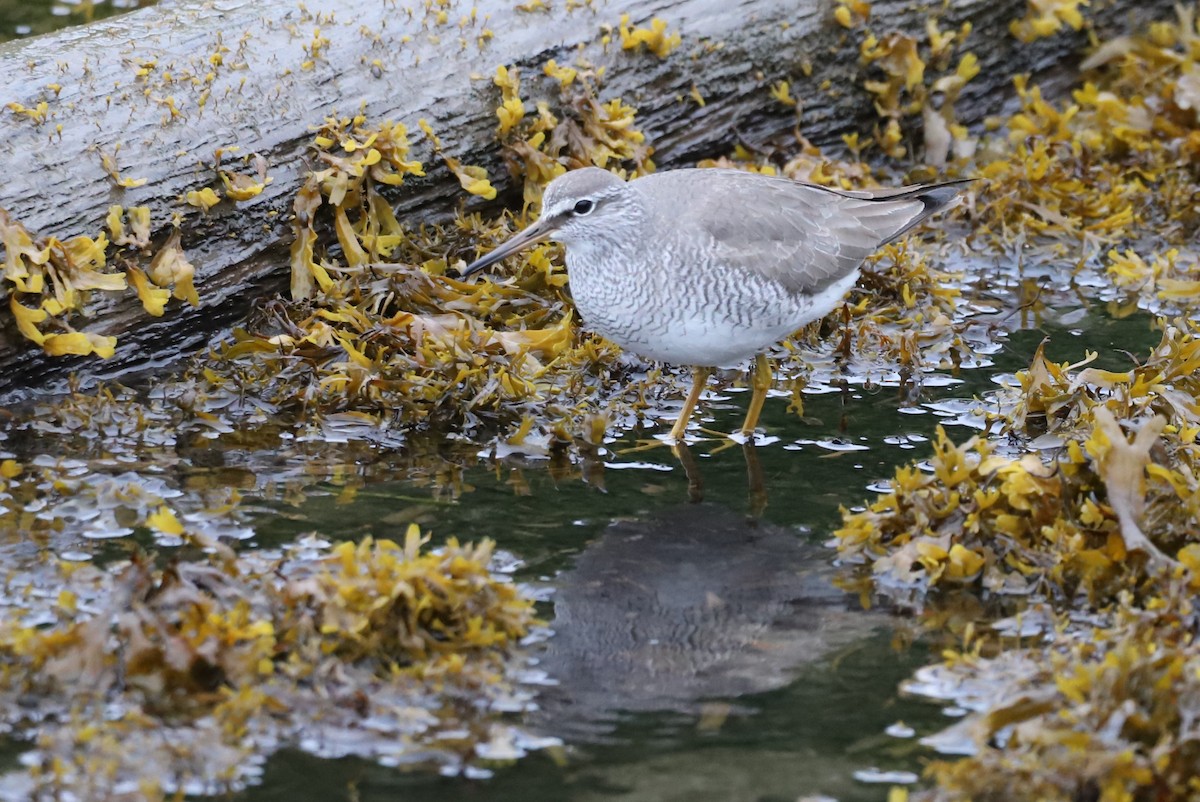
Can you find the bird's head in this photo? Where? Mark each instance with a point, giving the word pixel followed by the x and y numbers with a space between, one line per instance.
pixel 577 206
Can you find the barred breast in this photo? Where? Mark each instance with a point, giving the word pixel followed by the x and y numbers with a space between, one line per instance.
pixel 718 315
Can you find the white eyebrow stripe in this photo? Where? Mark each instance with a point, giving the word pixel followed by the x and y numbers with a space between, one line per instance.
pixel 568 204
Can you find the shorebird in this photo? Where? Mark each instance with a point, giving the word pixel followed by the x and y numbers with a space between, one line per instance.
pixel 708 267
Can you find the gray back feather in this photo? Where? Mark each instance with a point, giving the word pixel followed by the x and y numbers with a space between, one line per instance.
pixel 801 235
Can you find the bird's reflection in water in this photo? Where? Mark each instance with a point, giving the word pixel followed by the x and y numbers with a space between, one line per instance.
pixel 692 605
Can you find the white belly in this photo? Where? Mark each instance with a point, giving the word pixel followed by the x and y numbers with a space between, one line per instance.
pixel 695 332
pixel 704 343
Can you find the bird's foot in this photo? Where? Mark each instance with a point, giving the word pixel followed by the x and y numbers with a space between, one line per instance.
pixel 643 444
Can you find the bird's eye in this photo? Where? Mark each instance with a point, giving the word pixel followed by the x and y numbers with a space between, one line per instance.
pixel 583 207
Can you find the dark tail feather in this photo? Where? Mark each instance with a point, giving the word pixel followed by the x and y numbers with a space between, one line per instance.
pixel 936 197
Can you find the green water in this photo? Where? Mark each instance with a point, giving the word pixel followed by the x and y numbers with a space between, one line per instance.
pixel 21 19
pixel 803 739
pixel 822 720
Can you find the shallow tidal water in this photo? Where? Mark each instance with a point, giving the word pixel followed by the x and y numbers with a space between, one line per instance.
pixel 21 19
pixel 786 696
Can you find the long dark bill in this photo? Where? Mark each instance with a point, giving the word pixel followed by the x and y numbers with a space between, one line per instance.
pixel 538 231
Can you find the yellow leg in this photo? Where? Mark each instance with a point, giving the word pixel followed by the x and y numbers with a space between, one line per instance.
pixel 761 383
pixel 699 379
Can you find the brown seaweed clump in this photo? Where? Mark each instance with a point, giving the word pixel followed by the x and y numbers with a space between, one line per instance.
pixel 229 658
pixel 1103 518
pixel 1096 712
pixel 388 336
pixel 1091 520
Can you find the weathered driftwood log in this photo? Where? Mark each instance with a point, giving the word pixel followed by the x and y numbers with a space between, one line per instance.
pixel 158 92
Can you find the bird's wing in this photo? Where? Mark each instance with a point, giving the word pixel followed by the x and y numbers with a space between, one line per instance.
pixel 803 236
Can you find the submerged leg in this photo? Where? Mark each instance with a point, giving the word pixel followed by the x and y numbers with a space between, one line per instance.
pixel 760 383
pixel 699 379
pixel 691 470
pixel 754 476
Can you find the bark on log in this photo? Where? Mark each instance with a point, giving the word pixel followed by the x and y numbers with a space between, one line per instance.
pixel 263 98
